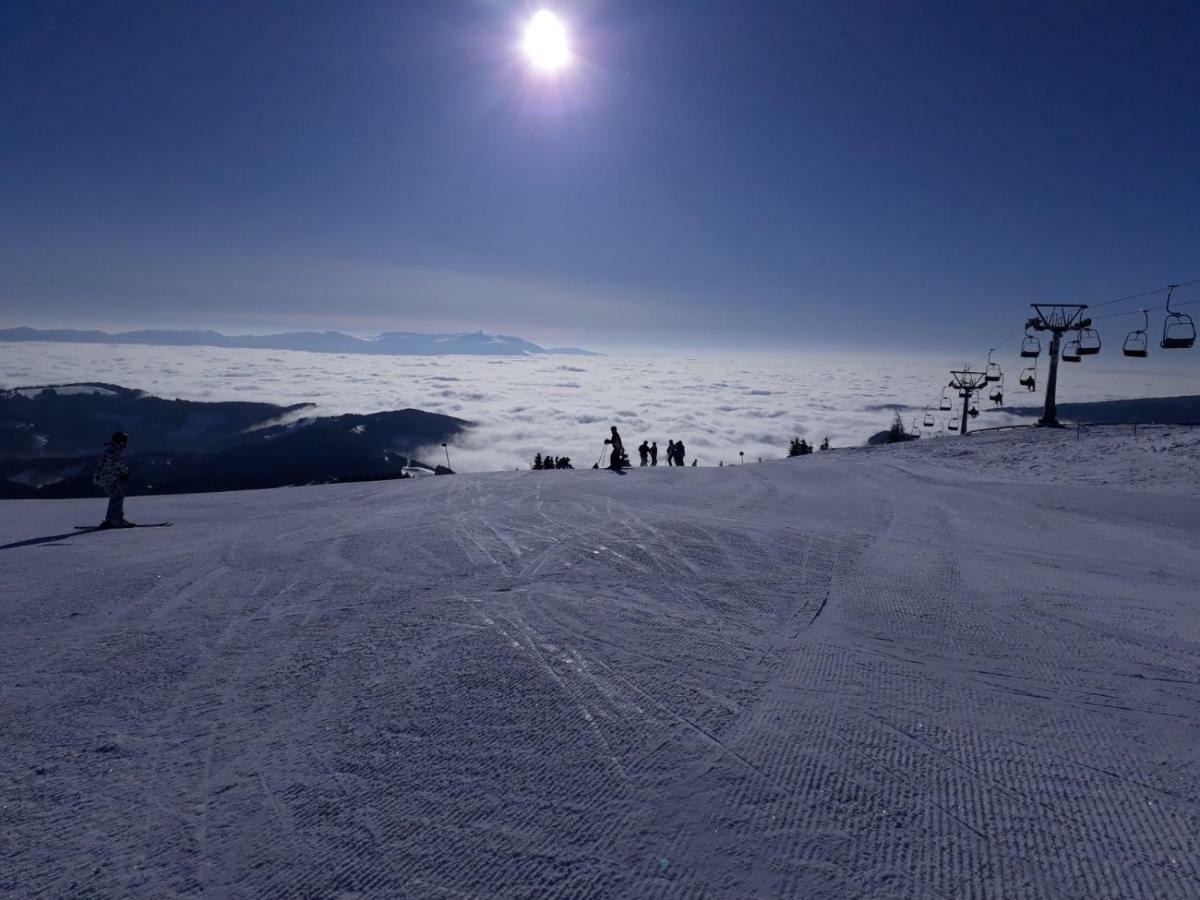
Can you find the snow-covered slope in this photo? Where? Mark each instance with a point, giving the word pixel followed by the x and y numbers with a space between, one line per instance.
pixel 883 673
pixel 1163 458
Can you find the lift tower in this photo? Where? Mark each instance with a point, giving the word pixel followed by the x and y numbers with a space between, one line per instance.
pixel 1057 318
pixel 967 383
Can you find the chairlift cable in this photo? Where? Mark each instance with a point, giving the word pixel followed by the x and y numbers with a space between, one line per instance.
pixel 1143 294
pixel 1134 312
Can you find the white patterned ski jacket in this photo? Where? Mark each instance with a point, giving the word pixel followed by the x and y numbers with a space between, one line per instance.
pixel 111 468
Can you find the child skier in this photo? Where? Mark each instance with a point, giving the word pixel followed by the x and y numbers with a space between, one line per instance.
pixel 110 476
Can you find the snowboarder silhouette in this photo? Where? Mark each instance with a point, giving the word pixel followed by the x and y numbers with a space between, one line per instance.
pixel 110 476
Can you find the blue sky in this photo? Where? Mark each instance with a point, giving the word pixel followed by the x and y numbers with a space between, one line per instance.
pixel 739 174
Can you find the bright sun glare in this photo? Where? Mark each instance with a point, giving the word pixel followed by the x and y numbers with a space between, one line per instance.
pixel 546 42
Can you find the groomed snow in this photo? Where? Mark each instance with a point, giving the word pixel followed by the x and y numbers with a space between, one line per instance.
pixel 905 672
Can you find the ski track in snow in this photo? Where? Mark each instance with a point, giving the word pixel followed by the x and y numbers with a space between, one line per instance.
pixel 870 674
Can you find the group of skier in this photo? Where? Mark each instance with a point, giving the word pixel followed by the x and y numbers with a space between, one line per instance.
pixel 111 472
pixel 647 452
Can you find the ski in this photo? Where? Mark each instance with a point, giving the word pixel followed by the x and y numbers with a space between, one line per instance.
pixel 126 527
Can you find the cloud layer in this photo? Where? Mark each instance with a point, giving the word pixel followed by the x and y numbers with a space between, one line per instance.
pixel 718 405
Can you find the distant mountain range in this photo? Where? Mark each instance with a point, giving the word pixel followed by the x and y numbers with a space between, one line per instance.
pixel 391 343
pixel 50 437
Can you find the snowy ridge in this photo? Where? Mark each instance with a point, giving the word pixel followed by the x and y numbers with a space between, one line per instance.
pixel 393 343
pixel 870 673
pixel 1159 458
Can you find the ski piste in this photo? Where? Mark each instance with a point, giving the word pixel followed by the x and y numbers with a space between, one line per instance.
pixel 806 639
pixel 125 527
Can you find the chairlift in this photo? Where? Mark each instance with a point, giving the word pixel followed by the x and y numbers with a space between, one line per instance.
pixel 993 372
pixel 1070 351
pixel 946 403
pixel 1031 347
pixel 1137 342
pixel 928 421
pixel 1179 331
pixel 1028 379
pixel 914 430
pixel 997 395
pixel 1088 341
pixel 951 425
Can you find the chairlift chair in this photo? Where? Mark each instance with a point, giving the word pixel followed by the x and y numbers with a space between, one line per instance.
pixel 993 372
pixel 1179 331
pixel 1088 341
pixel 951 425
pixel 997 396
pixel 946 403
pixel 1137 342
pixel 1070 351
pixel 928 421
pixel 1028 379
pixel 1031 347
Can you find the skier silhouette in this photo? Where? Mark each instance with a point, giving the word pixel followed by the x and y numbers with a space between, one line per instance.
pixel 618 449
pixel 110 476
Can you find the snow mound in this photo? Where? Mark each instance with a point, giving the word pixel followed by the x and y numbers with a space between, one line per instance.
pixel 1162 458
pixel 908 671
pixel 66 390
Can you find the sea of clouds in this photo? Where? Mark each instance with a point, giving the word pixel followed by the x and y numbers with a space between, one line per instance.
pixel 563 405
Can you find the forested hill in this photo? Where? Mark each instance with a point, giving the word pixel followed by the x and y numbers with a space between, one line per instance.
pixel 50 436
pixel 1146 410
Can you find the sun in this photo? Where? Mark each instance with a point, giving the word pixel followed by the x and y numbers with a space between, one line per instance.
pixel 545 43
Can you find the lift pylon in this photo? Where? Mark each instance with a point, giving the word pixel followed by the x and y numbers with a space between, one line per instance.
pixel 966 383
pixel 1057 318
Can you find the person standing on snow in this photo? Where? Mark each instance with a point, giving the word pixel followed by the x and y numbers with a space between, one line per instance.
pixel 679 453
pixel 110 476
pixel 618 449
pixel 644 453
pixel 654 454
pixel 670 453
